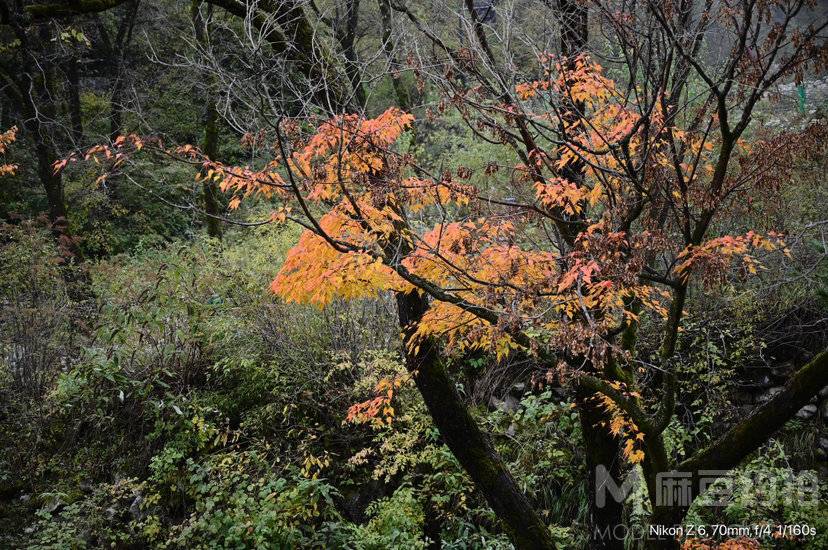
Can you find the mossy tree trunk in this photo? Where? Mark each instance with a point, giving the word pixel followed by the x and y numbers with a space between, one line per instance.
pixel 32 89
pixel 464 438
pixel 600 451
pixel 209 145
pixel 212 207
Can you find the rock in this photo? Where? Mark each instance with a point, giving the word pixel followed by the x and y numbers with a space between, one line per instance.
pixel 511 430
pixel 823 393
pixel 823 409
pixel 768 395
pixel 518 389
pixel 806 412
pixel 821 454
pixel 25 498
pixel 509 404
pixel 823 443
pixel 53 504
pixel 135 508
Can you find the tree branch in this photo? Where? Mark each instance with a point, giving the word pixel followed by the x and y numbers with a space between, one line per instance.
pixel 747 436
pixel 67 9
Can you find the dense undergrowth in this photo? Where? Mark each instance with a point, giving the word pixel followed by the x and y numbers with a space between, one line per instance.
pixel 166 399
pixel 191 409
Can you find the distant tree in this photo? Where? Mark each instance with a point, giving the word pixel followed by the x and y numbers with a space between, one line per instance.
pixel 209 145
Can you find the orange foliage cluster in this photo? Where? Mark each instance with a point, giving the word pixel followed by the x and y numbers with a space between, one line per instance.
pixel 315 272
pixel 566 196
pixel 115 155
pixel 347 151
pixel 6 139
pixel 714 257
pixel 622 426
pixel 579 79
pixel 741 543
pixel 378 411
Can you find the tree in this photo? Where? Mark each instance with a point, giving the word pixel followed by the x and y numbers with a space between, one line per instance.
pixel 569 265
pixel 32 86
pixel 40 70
pixel 114 49
pixel 42 76
pixel 209 144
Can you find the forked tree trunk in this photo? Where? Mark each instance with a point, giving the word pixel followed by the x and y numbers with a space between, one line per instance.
pixel 464 438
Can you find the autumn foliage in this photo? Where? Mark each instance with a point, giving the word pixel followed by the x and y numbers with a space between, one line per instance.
pixel 6 139
pixel 499 271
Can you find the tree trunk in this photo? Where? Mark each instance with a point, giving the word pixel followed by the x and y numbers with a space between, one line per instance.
pixel 464 438
pixel 210 144
pixel 211 203
pixel 116 49
pixel 39 106
pixel 52 183
pixel 601 450
pixel 347 38
pixel 73 78
pixel 403 97
pixel 314 59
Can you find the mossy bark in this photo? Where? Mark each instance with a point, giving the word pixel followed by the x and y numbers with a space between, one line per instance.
pixel 601 450
pixel 736 444
pixel 209 145
pixel 54 10
pixel 210 148
pixel 464 438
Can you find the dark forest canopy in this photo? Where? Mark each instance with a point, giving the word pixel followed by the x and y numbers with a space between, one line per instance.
pixel 390 274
